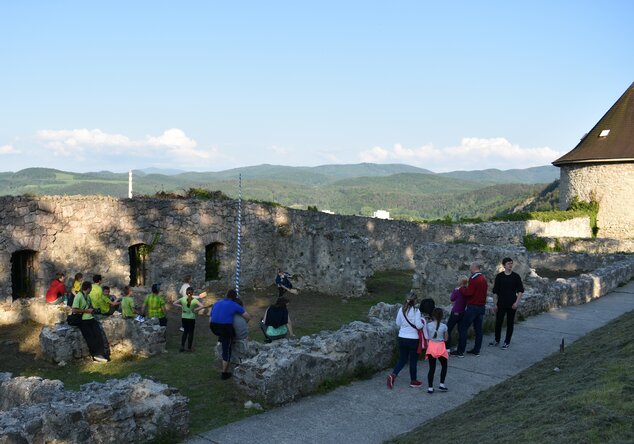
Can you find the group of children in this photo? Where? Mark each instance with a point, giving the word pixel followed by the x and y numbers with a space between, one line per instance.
pixel 87 299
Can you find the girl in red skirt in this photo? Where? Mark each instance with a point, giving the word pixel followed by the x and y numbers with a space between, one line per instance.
pixel 436 333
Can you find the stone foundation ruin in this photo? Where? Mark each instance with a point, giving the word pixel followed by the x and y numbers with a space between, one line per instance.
pixel 132 410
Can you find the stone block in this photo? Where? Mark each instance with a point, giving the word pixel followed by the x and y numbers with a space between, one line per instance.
pixel 62 342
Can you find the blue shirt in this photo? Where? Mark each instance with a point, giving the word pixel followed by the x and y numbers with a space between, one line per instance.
pixel 223 311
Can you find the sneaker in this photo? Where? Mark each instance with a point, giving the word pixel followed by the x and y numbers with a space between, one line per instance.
pixel 416 384
pixel 494 343
pixel 181 329
pixel 473 352
pixel 430 390
pixel 442 388
pixel 505 346
pixel 224 375
pixel 100 359
pixel 457 354
pixel 390 380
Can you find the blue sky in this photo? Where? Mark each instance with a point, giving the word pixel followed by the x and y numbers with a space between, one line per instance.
pixel 206 85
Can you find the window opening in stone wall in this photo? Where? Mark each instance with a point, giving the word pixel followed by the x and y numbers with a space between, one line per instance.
pixel 23 274
pixel 212 261
pixel 138 265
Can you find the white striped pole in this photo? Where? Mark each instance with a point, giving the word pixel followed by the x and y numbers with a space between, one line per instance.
pixel 238 251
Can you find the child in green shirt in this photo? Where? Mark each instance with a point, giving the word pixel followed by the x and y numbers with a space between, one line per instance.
pixel 127 303
pixel 190 306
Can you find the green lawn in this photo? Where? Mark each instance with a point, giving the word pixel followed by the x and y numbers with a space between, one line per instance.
pixel 589 400
pixel 212 402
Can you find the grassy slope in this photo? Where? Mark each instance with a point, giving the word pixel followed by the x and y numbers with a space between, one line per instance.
pixel 590 400
pixel 197 374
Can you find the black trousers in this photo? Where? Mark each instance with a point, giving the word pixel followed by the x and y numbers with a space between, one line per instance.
pixel 188 332
pixel 432 370
pixel 95 338
pixel 454 321
pixel 510 322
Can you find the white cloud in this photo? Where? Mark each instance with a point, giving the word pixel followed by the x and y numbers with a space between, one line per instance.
pixel 173 142
pixel 472 154
pixel 8 149
pixel 279 150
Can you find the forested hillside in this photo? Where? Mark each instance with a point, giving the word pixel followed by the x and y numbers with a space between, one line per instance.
pixel 406 192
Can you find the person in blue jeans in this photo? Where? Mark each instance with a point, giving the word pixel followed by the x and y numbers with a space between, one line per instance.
pixel 411 326
pixel 475 295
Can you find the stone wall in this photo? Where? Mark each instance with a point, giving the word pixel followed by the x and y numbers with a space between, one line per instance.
pixel 334 254
pixel 592 246
pixel 438 266
pixel 577 227
pixel 286 369
pixel 133 409
pixel 572 262
pixel 612 185
pixel 63 343
pixel 543 294
pixel 35 309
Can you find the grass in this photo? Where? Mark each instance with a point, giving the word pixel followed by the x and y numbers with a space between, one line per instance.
pixel 589 400
pixel 213 402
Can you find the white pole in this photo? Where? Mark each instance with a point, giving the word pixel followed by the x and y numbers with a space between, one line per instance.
pixel 238 249
pixel 130 184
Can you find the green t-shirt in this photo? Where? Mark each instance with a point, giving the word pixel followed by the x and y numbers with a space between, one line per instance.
pixel 188 312
pixel 127 306
pixel 81 302
pixel 98 299
pixel 154 303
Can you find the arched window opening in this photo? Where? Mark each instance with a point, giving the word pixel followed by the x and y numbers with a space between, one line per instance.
pixel 23 274
pixel 138 265
pixel 212 261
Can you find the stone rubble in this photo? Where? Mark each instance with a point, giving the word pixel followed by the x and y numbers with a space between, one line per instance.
pixel 133 409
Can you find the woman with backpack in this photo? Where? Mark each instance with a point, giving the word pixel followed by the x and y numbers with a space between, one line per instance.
pixel 410 336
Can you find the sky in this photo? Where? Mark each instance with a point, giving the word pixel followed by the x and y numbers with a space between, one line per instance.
pixel 210 85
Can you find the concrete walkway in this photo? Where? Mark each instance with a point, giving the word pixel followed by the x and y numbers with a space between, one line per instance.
pixel 367 412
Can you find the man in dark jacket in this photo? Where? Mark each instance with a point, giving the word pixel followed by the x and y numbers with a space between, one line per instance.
pixel 507 292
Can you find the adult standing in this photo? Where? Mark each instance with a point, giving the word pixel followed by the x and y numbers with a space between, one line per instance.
pixel 475 294
pixel 89 327
pixel 507 292
pixel 221 324
pixel 411 324
pixel 57 289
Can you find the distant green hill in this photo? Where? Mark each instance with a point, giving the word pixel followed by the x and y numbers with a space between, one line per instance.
pixel 406 192
pixel 542 174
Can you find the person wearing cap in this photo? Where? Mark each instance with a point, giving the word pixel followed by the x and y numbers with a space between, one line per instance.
pixel 410 337
pixel 155 304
